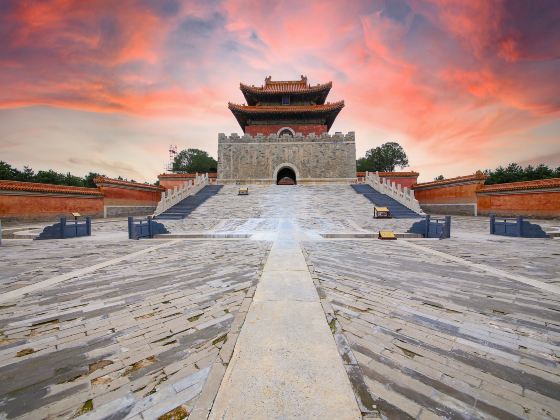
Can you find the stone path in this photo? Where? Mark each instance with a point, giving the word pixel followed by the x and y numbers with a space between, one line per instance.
pixel 285 364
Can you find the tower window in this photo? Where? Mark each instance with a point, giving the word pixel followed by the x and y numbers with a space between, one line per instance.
pixel 286 100
pixel 286 132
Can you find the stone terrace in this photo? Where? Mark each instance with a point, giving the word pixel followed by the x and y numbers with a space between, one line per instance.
pixel 467 327
pixel 334 207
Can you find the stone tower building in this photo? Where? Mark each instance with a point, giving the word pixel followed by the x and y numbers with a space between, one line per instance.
pixel 286 138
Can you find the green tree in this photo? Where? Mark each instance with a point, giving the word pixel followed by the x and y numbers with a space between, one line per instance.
pixel 27 175
pixel 384 158
pixel 515 173
pixel 439 178
pixel 194 160
pixel 6 171
pixel 10 173
pixel 88 179
pixel 73 180
pixel 50 177
pixel 541 172
pixel 362 165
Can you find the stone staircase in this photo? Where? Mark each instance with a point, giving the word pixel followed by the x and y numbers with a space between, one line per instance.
pixel 398 211
pixel 189 204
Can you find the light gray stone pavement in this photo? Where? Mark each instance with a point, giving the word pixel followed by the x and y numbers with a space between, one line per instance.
pixel 310 207
pixel 285 363
pixel 436 338
pixel 137 339
pixel 26 262
pixel 532 257
pixel 418 334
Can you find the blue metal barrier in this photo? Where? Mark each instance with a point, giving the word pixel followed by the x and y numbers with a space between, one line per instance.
pixel 515 227
pixel 432 227
pixel 147 228
pixel 64 229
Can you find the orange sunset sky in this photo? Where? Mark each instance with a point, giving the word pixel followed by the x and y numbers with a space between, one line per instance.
pixel 107 86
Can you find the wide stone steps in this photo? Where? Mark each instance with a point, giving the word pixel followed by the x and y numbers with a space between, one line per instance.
pixel 189 204
pixel 398 211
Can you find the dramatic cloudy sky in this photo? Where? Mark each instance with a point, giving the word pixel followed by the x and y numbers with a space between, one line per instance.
pixel 109 85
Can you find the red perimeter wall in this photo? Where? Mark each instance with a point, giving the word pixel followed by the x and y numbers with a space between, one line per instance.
pixel 253 130
pixel 448 194
pixel 404 181
pixel 525 203
pixel 119 196
pixel 37 207
pixel 539 198
pixel 170 181
pixel 34 201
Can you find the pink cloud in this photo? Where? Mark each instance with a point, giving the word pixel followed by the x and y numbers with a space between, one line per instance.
pixel 448 76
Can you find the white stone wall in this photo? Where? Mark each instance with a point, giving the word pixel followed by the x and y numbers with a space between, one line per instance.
pixel 323 158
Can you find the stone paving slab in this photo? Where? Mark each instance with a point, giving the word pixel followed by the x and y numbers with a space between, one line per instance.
pixel 435 338
pixel 137 339
pixel 26 262
pixel 286 286
pixel 532 257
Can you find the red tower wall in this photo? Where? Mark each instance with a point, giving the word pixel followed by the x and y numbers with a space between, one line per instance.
pixel 253 130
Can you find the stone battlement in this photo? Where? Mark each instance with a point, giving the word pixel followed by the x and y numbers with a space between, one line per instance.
pixel 298 138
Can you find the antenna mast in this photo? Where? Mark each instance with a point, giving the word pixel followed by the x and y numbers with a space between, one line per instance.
pixel 172 153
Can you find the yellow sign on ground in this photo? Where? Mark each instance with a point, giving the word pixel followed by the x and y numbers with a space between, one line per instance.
pixel 387 234
pixel 243 191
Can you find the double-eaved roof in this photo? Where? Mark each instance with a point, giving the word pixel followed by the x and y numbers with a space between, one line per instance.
pixel 268 102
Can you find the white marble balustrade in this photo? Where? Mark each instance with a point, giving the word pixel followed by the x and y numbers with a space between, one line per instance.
pixel 177 194
pixel 405 195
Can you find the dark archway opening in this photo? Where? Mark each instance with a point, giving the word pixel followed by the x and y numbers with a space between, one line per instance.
pixel 286 176
pixel 286 132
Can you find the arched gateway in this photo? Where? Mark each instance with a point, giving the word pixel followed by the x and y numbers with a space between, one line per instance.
pixel 286 174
